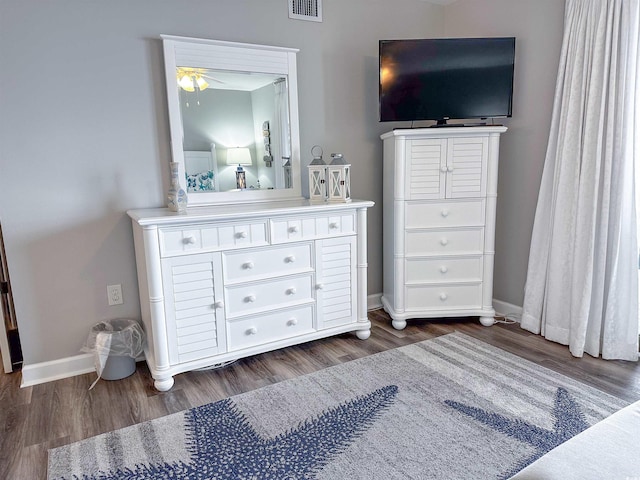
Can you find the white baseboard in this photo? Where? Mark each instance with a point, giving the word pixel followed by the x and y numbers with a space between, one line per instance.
pixel 56 369
pixel 504 308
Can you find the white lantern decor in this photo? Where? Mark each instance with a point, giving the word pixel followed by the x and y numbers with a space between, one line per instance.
pixel 339 179
pixel 317 176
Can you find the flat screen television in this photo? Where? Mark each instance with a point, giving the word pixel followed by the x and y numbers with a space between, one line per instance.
pixel 446 78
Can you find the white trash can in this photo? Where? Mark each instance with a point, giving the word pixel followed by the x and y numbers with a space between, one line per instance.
pixel 116 344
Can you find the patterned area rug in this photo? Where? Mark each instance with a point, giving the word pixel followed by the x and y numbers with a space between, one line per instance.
pixel 448 408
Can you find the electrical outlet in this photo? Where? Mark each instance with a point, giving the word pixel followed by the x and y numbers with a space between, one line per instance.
pixel 114 294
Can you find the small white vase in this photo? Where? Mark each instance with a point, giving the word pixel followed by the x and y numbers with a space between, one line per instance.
pixel 177 197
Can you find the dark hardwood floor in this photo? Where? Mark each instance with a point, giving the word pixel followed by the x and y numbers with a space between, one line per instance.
pixel 56 413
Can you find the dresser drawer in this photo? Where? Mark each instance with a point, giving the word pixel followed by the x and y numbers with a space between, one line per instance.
pixel 257 330
pixel 443 269
pixel 306 228
pixel 204 238
pixel 251 264
pixel 445 296
pixel 444 242
pixel 254 297
pixel 449 214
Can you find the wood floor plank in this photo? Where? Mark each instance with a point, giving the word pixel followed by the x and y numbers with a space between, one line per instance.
pixel 12 439
pixel 44 416
pixel 10 391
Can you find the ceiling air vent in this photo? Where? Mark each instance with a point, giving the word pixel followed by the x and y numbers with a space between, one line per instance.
pixel 306 10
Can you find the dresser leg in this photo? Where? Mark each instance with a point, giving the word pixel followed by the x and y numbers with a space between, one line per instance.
pixel 363 334
pixel 399 324
pixel 163 385
pixel 487 321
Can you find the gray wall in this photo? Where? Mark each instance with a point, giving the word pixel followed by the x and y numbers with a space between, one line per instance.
pixel 538 25
pixel 84 130
pixel 84 133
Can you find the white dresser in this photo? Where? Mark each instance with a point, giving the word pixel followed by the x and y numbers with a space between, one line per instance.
pixel 439 204
pixel 221 283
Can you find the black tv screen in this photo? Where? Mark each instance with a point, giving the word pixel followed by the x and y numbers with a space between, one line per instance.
pixel 446 78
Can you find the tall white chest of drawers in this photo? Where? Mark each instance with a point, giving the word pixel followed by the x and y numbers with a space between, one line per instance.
pixel 222 283
pixel 439 207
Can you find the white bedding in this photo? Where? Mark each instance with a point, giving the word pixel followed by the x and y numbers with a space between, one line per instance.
pixel 609 450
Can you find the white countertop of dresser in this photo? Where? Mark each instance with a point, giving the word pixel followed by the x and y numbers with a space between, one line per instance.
pixel 156 216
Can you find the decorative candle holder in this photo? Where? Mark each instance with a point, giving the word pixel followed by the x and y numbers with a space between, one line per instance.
pixel 317 176
pixel 339 179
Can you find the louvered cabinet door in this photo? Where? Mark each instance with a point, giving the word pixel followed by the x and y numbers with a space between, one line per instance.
pixel 440 168
pixel 194 306
pixel 466 170
pixel 336 292
pixel 426 169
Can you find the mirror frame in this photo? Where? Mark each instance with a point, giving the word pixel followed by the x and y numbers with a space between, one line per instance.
pixel 235 57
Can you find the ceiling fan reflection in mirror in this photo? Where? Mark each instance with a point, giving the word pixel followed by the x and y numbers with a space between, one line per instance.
pixel 194 80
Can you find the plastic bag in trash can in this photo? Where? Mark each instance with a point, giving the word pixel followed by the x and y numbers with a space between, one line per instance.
pixel 117 337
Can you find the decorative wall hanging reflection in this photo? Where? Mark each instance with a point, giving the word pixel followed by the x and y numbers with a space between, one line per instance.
pixel 266 135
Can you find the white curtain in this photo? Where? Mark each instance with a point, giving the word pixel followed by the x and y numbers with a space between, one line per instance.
pixel 282 149
pixel 582 282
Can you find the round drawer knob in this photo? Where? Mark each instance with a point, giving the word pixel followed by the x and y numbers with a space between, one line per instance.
pixel 292 321
pixel 333 225
pixel 444 242
pixel 293 229
pixel 250 298
pixel 247 265
pixel 290 259
pixel 242 234
pixel 291 291
pixel 449 169
pixel 444 213
pixel 443 169
pixel 443 269
pixel 252 331
pixel 218 304
pixel 319 286
pixel 443 296
pixel 189 240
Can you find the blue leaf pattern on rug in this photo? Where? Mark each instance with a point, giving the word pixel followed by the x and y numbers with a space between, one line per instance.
pixel 223 445
pixel 569 421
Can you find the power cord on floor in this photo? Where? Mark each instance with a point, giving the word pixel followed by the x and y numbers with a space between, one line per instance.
pixel 215 366
pixel 509 318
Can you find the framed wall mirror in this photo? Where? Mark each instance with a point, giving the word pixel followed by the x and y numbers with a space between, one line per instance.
pixel 233 115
